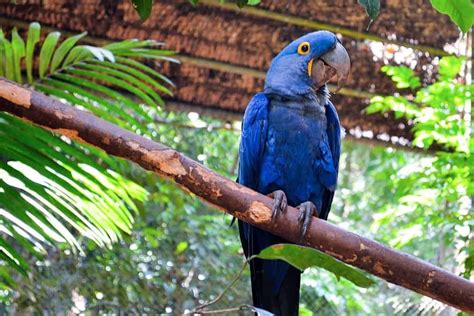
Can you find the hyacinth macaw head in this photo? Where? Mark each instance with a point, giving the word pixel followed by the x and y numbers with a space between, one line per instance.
pixel 305 65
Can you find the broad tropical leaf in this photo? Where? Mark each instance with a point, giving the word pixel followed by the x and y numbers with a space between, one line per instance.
pixel 51 188
pixel 461 12
pixel 305 257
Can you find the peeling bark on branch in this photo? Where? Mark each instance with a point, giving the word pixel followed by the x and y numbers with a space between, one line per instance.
pixel 391 265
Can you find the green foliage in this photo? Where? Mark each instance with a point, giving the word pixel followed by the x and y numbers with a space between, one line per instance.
pixel 434 191
pixel 51 188
pixel 449 67
pixel 305 257
pixel 34 33
pixel 436 110
pixel 461 12
pixel 403 76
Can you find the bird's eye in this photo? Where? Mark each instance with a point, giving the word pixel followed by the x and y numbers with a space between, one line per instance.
pixel 303 48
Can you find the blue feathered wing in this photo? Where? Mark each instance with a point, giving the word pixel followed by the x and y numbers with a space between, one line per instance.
pixel 334 141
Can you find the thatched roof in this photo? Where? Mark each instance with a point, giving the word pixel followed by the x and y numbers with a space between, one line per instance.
pixel 225 51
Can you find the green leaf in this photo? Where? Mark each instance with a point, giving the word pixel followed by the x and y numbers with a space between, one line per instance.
pixel 139 74
pixel 403 76
pixel 118 97
pixel 18 46
pixel 118 83
pixel 77 54
pixel 47 51
pixel 143 8
pixel 242 3
pixel 99 53
pixel 33 38
pixel 253 2
pixel 305 257
pixel 64 49
pixel 138 84
pixel 147 53
pixel 461 12
pixel 182 246
pixel 144 68
pixel 9 254
pixel 8 61
pixel 2 55
pixel 82 52
pixel 450 67
pixel 131 43
pixel 372 7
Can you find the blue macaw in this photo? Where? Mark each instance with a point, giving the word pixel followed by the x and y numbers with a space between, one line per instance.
pixel 289 150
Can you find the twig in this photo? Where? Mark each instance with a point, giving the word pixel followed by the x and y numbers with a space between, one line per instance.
pixel 221 295
pixel 241 308
pixel 221 311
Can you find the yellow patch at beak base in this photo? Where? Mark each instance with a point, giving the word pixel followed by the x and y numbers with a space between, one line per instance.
pixel 310 67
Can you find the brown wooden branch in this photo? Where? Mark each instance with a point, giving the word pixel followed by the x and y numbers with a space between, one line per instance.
pixel 391 265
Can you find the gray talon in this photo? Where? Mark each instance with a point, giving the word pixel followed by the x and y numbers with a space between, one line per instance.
pixel 307 211
pixel 280 203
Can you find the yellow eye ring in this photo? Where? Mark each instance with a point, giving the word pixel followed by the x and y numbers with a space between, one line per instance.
pixel 304 48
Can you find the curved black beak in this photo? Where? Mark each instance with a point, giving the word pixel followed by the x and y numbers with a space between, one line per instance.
pixel 334 63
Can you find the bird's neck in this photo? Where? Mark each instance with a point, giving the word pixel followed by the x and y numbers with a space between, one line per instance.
pixel 312 101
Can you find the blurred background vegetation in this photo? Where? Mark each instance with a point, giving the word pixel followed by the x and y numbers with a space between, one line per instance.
pixel 152 248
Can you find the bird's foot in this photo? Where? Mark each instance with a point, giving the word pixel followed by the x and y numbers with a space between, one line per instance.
pixel 307 211
pixel 280 203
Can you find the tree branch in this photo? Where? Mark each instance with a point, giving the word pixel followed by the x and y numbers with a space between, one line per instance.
pixel 254 208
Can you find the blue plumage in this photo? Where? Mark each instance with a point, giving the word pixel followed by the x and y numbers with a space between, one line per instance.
pixel 290 142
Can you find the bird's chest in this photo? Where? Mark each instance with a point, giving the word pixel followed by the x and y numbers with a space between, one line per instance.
pixel 292 147
pixel 294 134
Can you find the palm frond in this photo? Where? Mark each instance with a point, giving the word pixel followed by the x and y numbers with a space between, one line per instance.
pixel 50 187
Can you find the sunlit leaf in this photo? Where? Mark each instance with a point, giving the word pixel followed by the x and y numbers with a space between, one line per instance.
pixel 33 38
pixel 461 12
pixel 8 61
pixel 10 255
pixel 305 257
pixel 253 2
pixel 47 51
pixel 403 76
pixel 182 245
pixel 18 47
pixel 64 49
pixel 450 66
